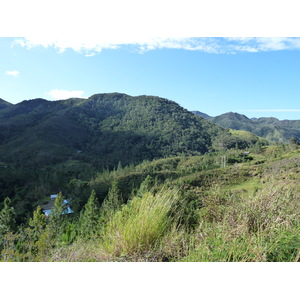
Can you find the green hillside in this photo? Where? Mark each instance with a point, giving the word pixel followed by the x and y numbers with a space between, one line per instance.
pixel 106 128
pixel 45 144
pixel 271 129
pixel 185 208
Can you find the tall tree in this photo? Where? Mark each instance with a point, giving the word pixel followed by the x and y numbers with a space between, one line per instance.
pixel 55 219
pixel 112 202
pixel 7 217
pixel 7 220
pixel 89 219
pixel 113 197
pixel 37 223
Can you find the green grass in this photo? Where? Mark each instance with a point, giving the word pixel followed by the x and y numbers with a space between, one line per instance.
pixel 141 224
pixel 248 187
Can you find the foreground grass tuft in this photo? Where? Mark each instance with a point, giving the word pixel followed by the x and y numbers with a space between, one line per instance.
pixel 140 226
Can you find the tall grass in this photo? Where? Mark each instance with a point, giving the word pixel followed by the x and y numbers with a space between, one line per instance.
pixel 262 227
pixel 141 225
pixel 232 227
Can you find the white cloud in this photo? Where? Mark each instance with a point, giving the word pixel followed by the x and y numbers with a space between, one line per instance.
pixel 268 44
pixel 273 110
pixel 14 73
pixel 91 46
pixel 63 94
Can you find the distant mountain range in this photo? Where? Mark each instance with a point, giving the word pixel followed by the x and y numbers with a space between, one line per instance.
pixel 269 128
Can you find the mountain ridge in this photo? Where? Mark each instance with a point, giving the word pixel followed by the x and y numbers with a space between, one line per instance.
pixel 148 127
pixel 270 128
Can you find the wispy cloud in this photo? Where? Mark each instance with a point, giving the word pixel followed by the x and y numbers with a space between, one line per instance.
pixel 14 73
pixel 272 110
pixel 63 94
pixel 230 45
pixel 267 44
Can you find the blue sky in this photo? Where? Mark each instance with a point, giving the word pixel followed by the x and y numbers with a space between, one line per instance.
pixel 256 77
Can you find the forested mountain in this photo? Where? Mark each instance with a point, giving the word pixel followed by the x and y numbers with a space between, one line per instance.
pixel 45 144
pixel 106 128
pixel 270 128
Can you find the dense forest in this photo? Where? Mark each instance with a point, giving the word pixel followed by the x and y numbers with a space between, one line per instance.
pixel 146 180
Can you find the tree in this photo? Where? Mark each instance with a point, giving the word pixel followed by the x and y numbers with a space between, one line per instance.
pixel 7 217
pixel 38 223
pixel 55 218
pixel 89 219
pixel 113 197
pixel 7 220
pixel 111 203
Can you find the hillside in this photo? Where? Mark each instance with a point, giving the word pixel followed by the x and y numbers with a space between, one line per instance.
pixel 269 128
pixel 105 127
pixel 45 144
pixel 185 208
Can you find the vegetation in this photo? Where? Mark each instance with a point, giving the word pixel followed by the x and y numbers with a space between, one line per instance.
pixel 48 146
pixel 274 130
pixel 185 190
pixel 187 208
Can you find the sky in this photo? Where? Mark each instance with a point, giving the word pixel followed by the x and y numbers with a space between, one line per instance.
pixel 56 52
pixel 252 76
